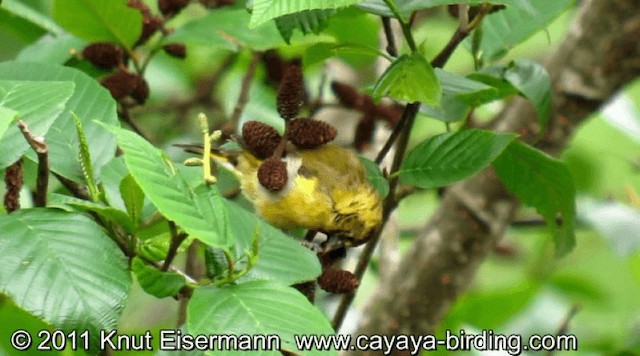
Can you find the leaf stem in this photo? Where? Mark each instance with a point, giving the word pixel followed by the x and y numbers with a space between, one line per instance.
pixel 406 27
pixel 176 241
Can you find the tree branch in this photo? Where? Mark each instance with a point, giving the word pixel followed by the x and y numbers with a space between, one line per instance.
pixel 597 58
pixel 41 149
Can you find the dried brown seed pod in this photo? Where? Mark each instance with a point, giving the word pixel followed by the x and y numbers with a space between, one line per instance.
pixel 291 92
pixel 272 174
pixel 141 92
pixel 171 7
pixel 347 94
pixel 338 281
pixel 103 55
pixel 13 182
pixel 309 133
pixel 177 50
pixel 261 139
pixel 121 84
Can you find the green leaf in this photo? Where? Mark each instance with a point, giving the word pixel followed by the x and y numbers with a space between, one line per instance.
pixel 7 118
pixel 281 258
pixel 450 157
pixel 523 77
pixel 50 49
pixel 75 278
pixel 38 104
pixel 308 21
pixel 321 51
pixel 533 82
pixel 19 9
pixel 459 95
pixel 375 177
pixel 133 197
pixel 265 10
pixel 544 183
pixel 227 28
pixel 99 20
pixel 199 212
pixel 90 101
pixel 256 308
pixel 410 78
pixel 155 282
pixel 105 211
pixel 521 19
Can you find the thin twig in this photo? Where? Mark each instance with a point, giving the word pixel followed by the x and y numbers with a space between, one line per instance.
pixel 176 240
pixel 191 269
pixel 389 204
pixel 124 115
pixel 244 89
pixel 564 325
pixel 391 41
pixel 40 147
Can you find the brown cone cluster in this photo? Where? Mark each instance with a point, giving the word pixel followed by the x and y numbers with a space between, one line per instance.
pixel 265 142
pixel 338 281
pixel 109 56
pixel 261 139
pixel 272 174
pixel 122 83
pixel 291 92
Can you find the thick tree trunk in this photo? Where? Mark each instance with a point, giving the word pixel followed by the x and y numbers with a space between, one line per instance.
pixel 600 55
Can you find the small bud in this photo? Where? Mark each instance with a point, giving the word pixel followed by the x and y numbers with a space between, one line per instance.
pixel 192 162
pixel 121 84
pixel 203 121
pixel 215 136
pixel 171 7
pixel 177 50
pixel 103 55
pixel 261 139
pixel 272 174
pixel 210 180
pixel 291 92
pixel 309 133
pixel 338 281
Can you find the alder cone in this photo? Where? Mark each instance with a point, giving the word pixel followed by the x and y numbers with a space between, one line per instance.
pixel 121 84
pixel 309 133
pixel 338 281
pixel 103 55
pixel 261 139
pixel 291 92
pixel 272 174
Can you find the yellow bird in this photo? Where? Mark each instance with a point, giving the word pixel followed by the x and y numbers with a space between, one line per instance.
pixel 327 190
